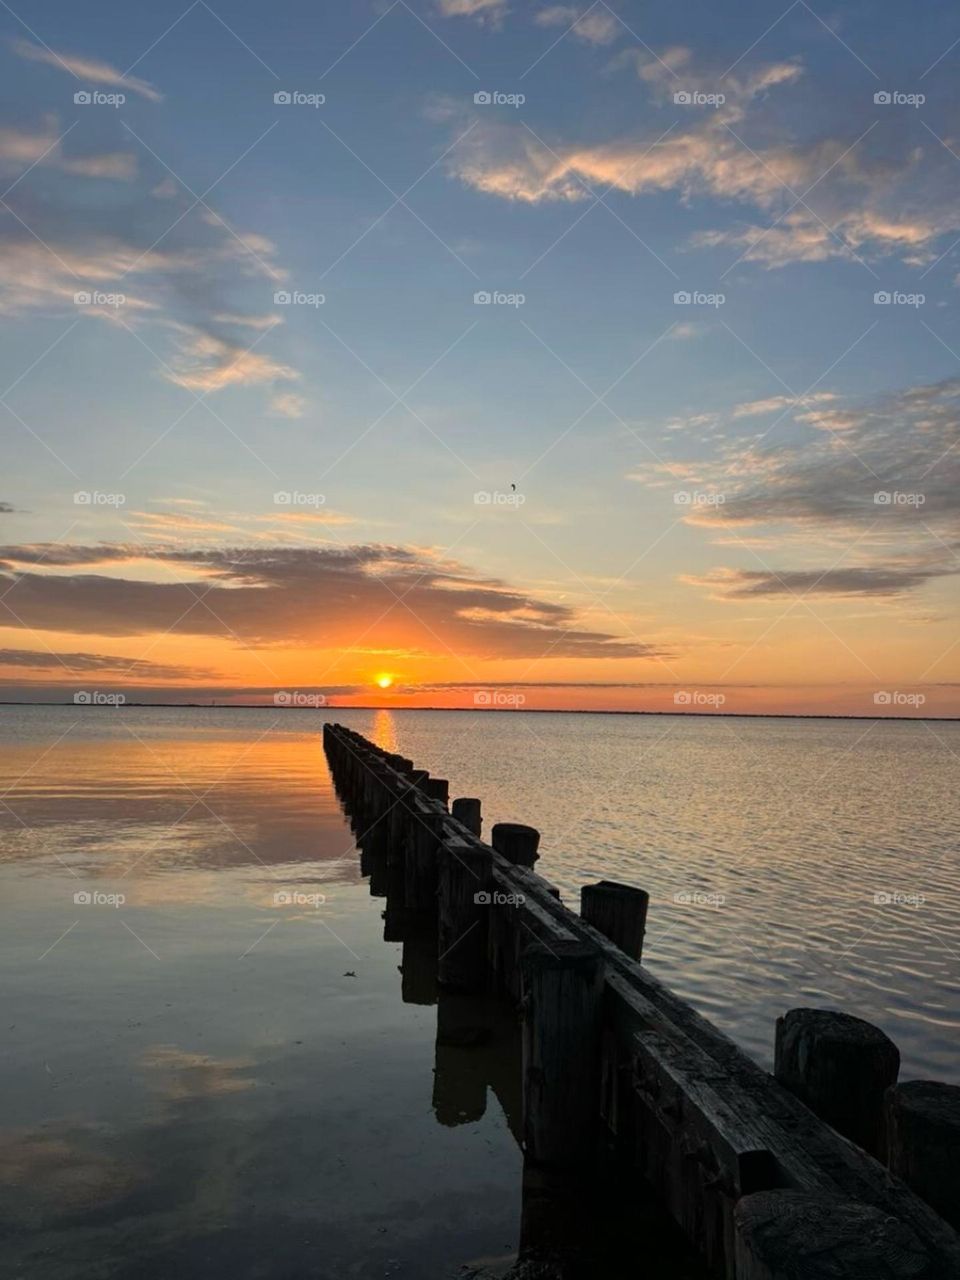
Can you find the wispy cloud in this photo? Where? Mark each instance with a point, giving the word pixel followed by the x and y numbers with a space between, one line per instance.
pixel 863 581
pixel 883 476
pixel 596 25
pixel 89 70
pixel 823 197
pixel 100 663
pixel 287 404
pixel 482 11
pixel 42 144
pixel 210 363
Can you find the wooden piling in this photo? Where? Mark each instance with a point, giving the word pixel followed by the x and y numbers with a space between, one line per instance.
pixel 561 1041
pixel 436 789
pixel 467 811
pixel 923 1142
pixel 789 1235
pixel 466 883
pixel 421 875
pixel 516 842
pixel 618 911
pixel 841 1067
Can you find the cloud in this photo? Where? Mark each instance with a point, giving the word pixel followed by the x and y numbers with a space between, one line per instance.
pixel 179 266
pixel 904 443
pixel 802 236
pixel 395 596
pixel 90 70
pixel 681 332
pixel 776 404
pixel 706 160
pixel 286 404
pixel 168 521
pixel 209 363
pixel 597 26
pixel 883 476
pixel 41 144
pixel 308 518
pixel 6 509
pixel 100 663
pixel 862 196
pixel 868 580
pixel 483 11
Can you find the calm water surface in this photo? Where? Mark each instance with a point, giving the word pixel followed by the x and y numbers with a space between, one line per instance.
pixel 789 862
pixel 212 1063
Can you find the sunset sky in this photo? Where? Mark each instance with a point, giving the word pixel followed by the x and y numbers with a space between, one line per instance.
pixel 263 435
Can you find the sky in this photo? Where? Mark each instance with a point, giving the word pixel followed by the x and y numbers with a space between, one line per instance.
pixel 481 353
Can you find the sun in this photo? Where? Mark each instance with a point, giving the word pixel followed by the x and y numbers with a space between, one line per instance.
pixel 384 681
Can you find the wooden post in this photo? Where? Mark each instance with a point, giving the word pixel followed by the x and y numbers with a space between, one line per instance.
pixel 563 983
pixel 783 1235
pixel 466 880
pixel 517 843
pixel 467 812
pixel 618 911
pixel 421 859
pixel 841 1067
pixel 436 789
pixel 923 1142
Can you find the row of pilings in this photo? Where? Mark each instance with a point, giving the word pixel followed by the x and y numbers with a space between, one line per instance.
pixel 797 1176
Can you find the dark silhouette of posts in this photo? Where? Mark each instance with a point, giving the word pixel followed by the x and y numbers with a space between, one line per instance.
pixel 923 1142
pixel 841 1067
pixel 466 810
pixel 516 842
pixel 466 882
pixel 619 912
pixel 562 983
pixel 781 1234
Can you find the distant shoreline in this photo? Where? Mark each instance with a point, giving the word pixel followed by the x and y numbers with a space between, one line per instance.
pixel 506 711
